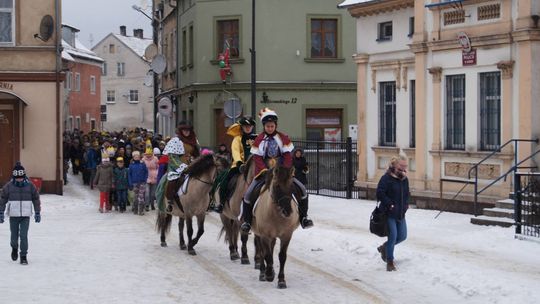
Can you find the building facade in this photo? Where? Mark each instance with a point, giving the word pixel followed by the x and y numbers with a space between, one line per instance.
pixel 447 83
pixel 304 66
pixel 82 84
pixel 30 90
pixel 126 84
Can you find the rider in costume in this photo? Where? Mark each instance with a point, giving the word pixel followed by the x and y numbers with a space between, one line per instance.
pixel 242 131
pixel 272 147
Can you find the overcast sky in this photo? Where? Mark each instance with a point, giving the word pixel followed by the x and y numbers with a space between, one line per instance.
pixel 97 18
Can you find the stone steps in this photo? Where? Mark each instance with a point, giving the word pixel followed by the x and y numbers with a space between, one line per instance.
pixel 502 215
pixel 492 221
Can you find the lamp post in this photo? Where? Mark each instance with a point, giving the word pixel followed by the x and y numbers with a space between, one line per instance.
pixel 253 62
pixel 155 24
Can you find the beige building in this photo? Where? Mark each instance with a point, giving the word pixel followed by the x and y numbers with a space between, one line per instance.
pixel 30 90
pixel 126 81
pixel 448 83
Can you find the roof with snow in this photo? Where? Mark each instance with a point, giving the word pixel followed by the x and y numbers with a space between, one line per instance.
pixel 348 3
pixel 138 45
pixel 79 51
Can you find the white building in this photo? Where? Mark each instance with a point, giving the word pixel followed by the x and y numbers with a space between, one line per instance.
pixel 448 83
pixel 126 89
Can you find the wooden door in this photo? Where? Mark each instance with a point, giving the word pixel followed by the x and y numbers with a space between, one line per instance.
pixel 7 148
pixel 221 130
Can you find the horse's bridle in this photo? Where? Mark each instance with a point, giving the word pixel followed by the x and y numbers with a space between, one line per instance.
pixel 213 178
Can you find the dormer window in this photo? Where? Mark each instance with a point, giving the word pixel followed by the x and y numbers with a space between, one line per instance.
pixel 385 31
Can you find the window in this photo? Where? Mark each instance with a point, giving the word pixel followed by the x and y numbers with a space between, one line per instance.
pixel 111 48
pixel 133 95
pixel 455 112
pixel 323 124
pixel 111 96
pixel 78 122
pixel 385 31
pixel 120 68
pixel 387 113
pixel 70 123
pixel 92 124
pixel 412 138
pixel 490 111
pixel 77 82
pixel 228 35
pixel 184 48
pixel 411 27
pixel 93 84
pixel 324 38
pixel 174 46
pixel 104 69
pixel 68 81
pixel 166 52
pixel 190 62
pixel 7 22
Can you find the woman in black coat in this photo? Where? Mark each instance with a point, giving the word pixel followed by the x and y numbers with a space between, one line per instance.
pixel 300 166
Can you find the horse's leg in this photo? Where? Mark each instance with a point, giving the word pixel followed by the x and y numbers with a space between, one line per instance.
pixel 189 222
pixel 228 228
pixel 259 251
pixel 163 223
pixel 200 229
pixel 282 259
pixel 181 234
pixel 269 257
pixel 258 254
pixel 244 238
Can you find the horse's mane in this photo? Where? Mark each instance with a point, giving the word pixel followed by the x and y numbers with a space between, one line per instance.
pixel 248 164
pixel 200 165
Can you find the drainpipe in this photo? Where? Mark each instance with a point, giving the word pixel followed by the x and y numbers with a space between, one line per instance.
pixel 58 182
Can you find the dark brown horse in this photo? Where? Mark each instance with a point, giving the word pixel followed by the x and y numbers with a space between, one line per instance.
pixel 275 216
pixel 194 201
pixel 232 211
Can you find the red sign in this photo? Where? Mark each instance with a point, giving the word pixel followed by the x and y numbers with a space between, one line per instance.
pixel 469 58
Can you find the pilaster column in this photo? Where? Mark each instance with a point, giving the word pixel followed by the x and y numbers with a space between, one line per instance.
pixel 507 71
pixel 436 73
pixel 362 91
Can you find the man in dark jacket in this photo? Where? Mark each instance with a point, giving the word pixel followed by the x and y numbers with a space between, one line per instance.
pixel 393 193
pixel 20 196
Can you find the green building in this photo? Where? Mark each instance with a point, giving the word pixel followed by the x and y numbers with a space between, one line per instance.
pixel 305 70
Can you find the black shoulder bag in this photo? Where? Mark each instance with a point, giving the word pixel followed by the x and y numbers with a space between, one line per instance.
pixel 377 223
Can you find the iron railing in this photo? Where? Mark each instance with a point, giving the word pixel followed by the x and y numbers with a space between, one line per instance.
pixel 332 167
pixel 527 203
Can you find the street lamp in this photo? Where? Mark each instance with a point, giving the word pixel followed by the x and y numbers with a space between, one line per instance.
pixel 155 23
pixel 253 62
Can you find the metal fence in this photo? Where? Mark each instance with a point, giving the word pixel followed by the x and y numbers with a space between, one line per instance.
pixel 332 167
pixel 527 203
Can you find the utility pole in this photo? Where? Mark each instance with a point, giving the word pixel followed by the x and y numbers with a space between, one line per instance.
pixel 253 62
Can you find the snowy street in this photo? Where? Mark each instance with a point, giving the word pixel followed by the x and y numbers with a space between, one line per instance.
pixel 78 255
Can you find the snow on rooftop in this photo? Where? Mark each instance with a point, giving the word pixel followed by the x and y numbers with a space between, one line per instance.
pixel 79 51
pixel 352 2
pixel 138 45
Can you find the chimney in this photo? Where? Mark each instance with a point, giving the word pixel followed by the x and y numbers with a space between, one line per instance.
pixel 123 30
pixel 138 33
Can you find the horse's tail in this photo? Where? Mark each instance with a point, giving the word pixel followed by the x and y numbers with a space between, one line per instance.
pixel 163 222
pixel 229 228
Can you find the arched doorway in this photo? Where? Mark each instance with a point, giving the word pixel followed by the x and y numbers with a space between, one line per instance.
pixel 10 133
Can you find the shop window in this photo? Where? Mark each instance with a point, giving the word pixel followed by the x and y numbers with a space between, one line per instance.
pixel 490 111
pixel 324 124
pixel 7 23
pixel 455 112
pixel 387 113
pixel 228 34
pixel 324 34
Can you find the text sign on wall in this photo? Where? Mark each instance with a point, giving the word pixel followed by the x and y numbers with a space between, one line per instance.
pixel 6 86
pixel 469 58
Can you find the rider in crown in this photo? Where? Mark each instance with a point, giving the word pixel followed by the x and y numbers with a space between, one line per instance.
pixel 272 147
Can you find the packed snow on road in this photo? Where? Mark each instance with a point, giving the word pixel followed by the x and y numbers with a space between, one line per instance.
pixel 78 255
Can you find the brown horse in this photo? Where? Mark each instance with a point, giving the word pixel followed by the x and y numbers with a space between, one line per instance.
pixel 194 202
pixel 232 211
pixel 275 216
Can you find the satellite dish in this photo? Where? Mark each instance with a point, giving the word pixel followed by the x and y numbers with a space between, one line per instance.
pixel 232 108
pixel 165 106
pixel 149 79
pixel 150 52
pixel 46 28
pixel 159 64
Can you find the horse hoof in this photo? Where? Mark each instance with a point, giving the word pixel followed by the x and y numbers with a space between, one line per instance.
pixel 257 265
pixel 281 285
pixel 270 277
pixel 262 277
pixel 245 261
pixel 183 247
pixel 192 252
pixel 163 244
pixel 234 256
